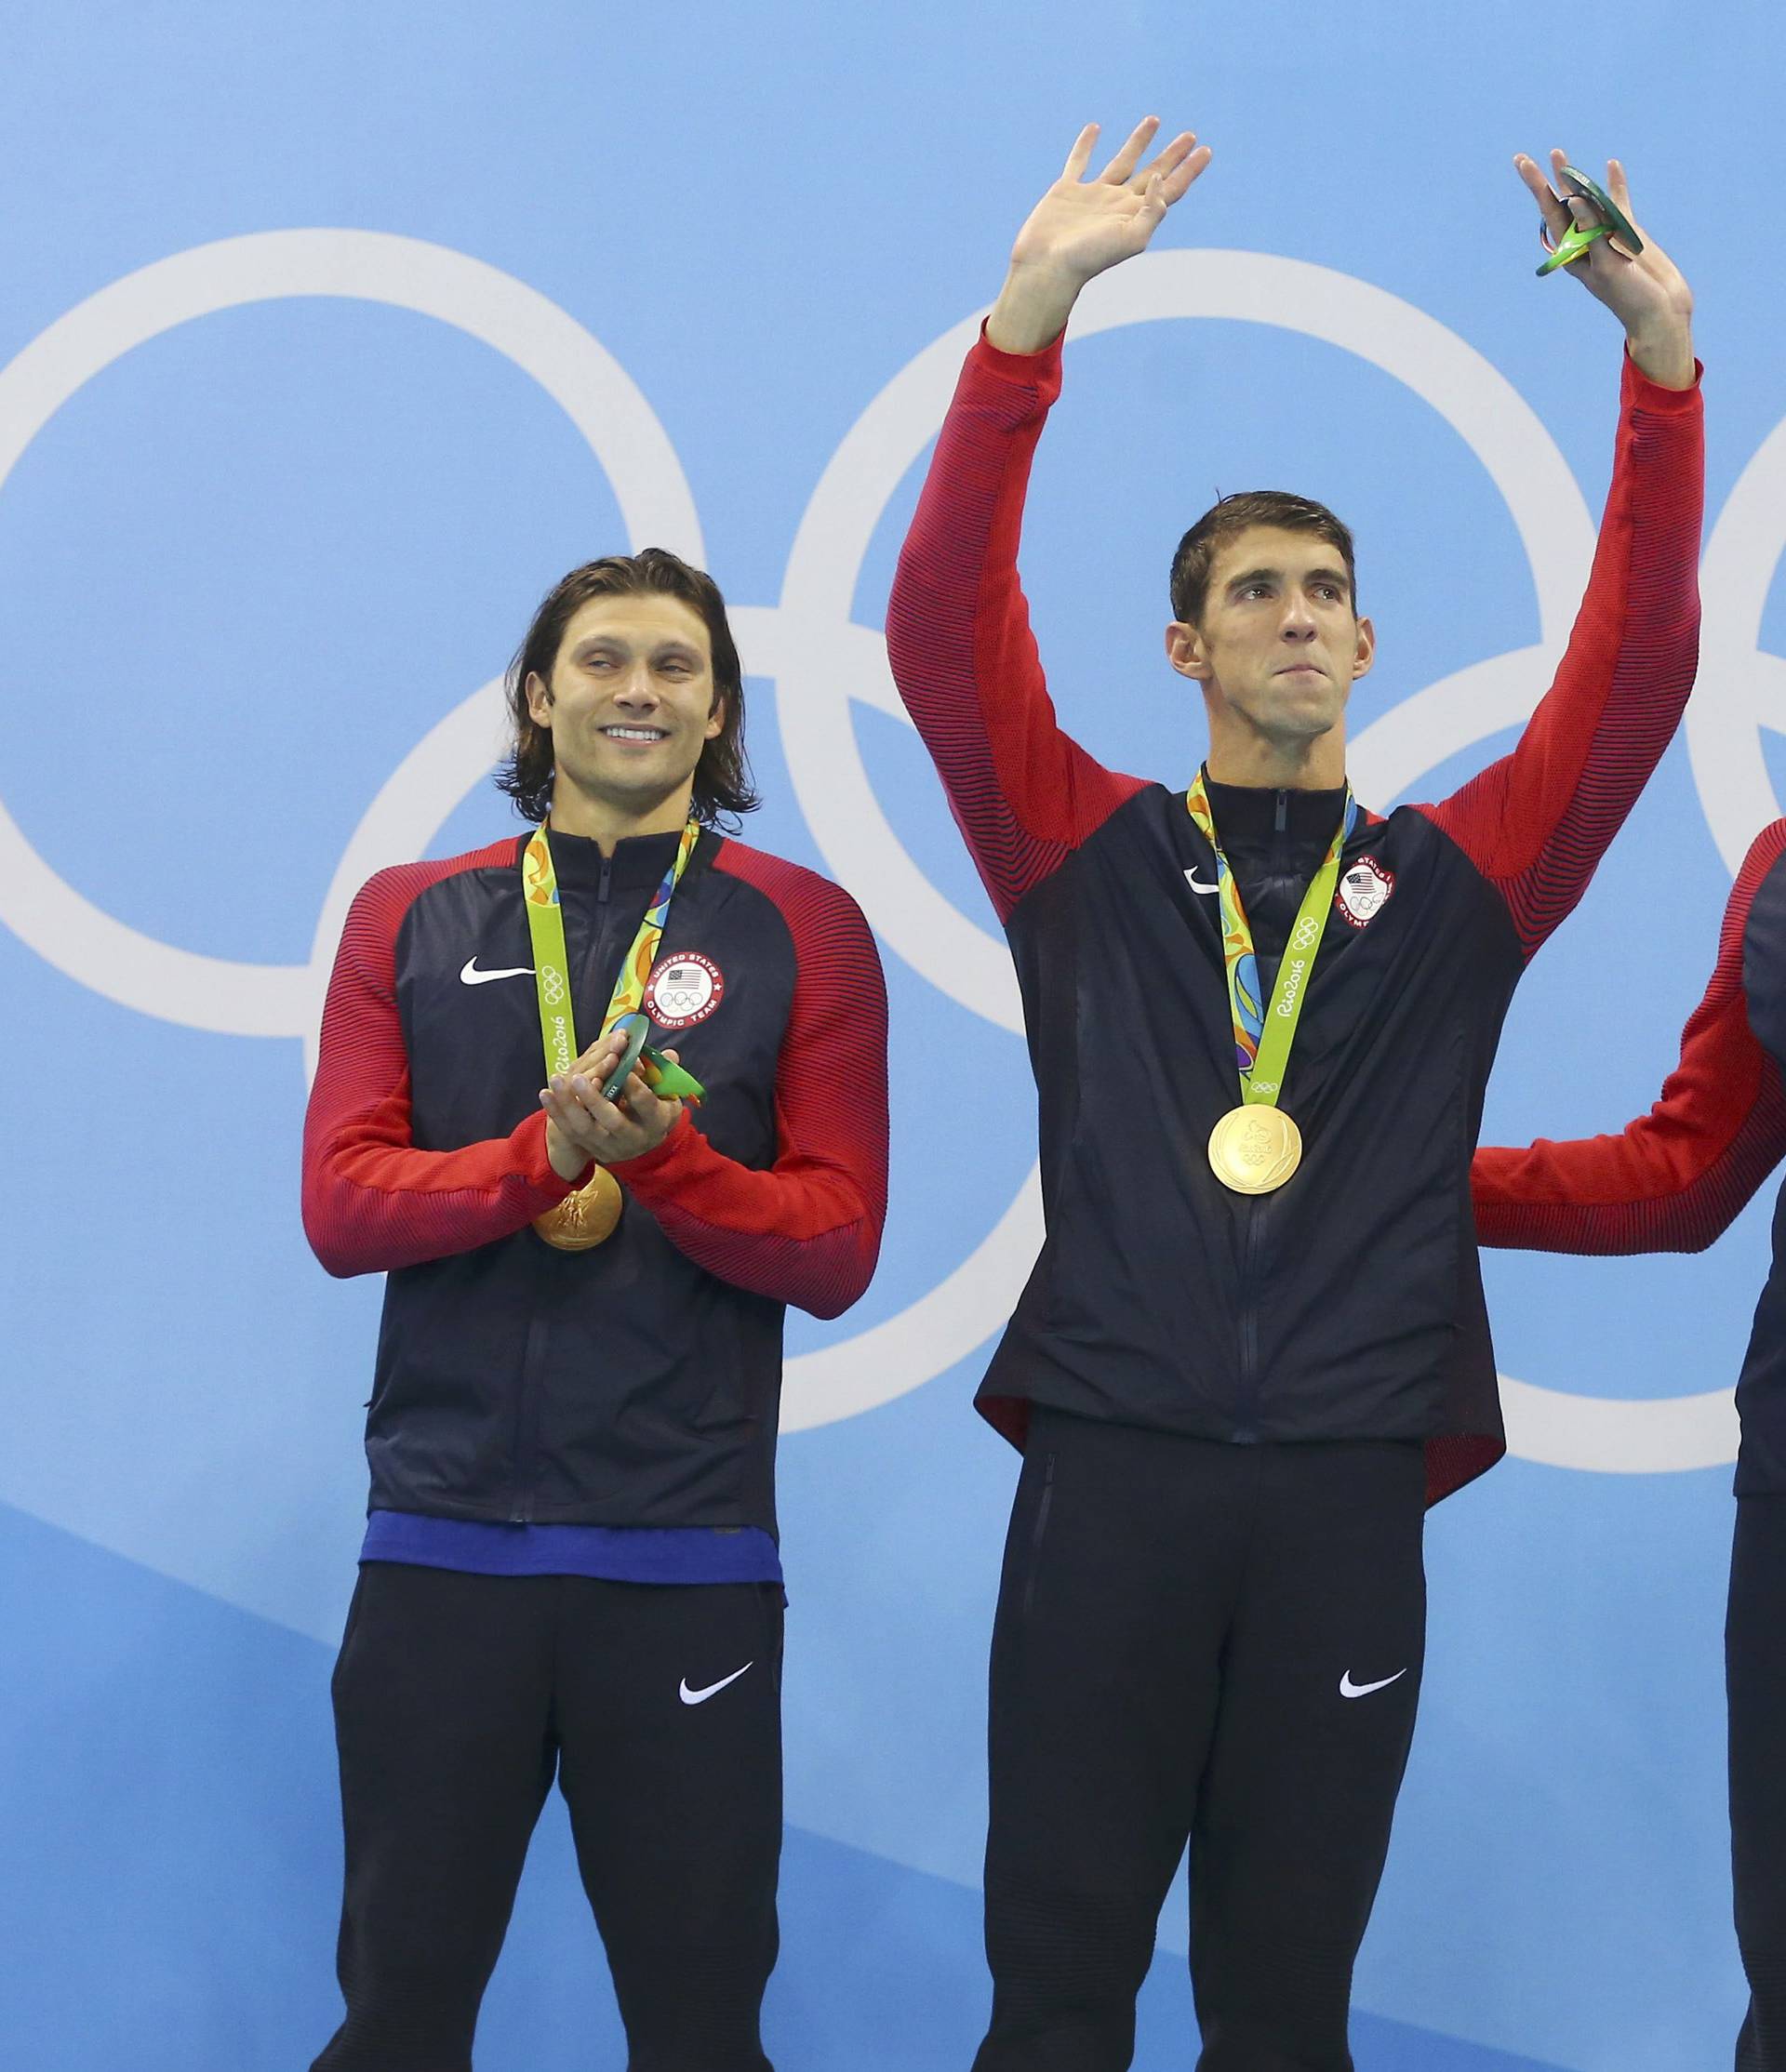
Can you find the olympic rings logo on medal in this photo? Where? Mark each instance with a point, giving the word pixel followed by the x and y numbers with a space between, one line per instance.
pixel 1308 932
pixel 552 986
pixel 821 663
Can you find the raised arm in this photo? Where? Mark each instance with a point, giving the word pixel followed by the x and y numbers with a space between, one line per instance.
pixel 371 1200
pixel 1537 822
pixel 1675 1178
pixel 957 627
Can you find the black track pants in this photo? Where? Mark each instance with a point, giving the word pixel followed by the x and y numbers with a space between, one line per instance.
pixel 1208 1641
pixel 456 1697
pixel 1755 1677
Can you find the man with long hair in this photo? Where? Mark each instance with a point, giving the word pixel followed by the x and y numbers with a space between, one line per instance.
pixel 570 1565
pixel 1261 1018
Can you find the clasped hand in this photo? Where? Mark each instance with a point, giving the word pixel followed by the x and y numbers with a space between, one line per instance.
pixel 581 1123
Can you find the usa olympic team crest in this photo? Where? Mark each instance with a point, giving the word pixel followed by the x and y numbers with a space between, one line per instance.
pixel 684 990
pixel 1364 890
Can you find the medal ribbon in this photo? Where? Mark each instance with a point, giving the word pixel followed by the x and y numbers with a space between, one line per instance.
pixel 551 962
pixel 1263 1036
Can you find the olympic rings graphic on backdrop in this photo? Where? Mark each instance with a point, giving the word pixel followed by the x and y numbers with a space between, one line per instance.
pixel 821 663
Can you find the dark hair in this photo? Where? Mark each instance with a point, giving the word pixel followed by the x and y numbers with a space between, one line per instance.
pixel 1231 516
pixel 723 775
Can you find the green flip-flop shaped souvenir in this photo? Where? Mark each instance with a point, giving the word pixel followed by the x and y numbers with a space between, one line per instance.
pixel 1614 225
pixel 666 1080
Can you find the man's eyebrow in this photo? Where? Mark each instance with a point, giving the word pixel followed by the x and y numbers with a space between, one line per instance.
pixel 1337 575
pixel 592 643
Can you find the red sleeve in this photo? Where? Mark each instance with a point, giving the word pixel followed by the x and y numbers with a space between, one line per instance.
pixel 1677 1177
pixel 807 1230
pixel 1537 822
pixel 958 637
pixel 372 1202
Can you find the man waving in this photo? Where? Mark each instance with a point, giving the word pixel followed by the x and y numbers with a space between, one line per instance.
pixel 1254 1347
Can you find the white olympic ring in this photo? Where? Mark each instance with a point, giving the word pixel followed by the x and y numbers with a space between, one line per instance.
pixel 579 374
pixel 821 662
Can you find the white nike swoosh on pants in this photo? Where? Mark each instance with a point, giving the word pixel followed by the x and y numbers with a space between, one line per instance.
pixel 701 1698
pixel 1347 1688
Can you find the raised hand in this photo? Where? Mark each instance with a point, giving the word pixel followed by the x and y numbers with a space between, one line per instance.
pixel 1647 295
pixel 1081 226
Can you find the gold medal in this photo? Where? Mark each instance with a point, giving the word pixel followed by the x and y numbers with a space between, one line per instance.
pixel 585 1218
pixel 1255 1149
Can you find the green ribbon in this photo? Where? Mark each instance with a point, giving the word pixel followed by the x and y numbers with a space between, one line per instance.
pixel 1264 1036
pixel 551 961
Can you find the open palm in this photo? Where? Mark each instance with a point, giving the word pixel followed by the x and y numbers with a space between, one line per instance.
pixel 1081 226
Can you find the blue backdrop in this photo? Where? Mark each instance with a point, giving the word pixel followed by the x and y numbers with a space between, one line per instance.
pixel 332 335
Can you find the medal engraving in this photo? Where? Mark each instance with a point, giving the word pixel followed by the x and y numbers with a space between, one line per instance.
pixel 585 1218
pixel 1254 1150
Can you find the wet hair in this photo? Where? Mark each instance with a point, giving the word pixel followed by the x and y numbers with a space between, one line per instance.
pixel 723 775
pixel 1231 516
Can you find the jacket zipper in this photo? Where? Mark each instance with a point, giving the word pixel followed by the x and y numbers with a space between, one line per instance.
pixel 533 1355
pixel 532 1359
pixel 1037 1533
pixel 1246 1433
pixel 1257 1212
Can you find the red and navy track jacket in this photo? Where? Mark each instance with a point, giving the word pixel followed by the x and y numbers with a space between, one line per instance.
pixel 1348 1305
pixel 637 1384
pixel 1678 1176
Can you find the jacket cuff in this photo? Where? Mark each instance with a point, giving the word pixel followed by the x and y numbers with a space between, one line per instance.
pixel 528 1141
pixel 654 1175
pixel 1039 371
pixel 1637 389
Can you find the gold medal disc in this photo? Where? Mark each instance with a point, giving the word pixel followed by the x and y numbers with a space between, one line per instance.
pixel 1255 1149
pixel 584 1219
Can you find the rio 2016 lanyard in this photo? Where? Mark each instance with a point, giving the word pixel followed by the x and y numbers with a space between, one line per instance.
pixel 589 1216
pixel 1256 1146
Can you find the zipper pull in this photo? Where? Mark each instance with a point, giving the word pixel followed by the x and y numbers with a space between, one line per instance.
pixel 607 872
pixel 1283 819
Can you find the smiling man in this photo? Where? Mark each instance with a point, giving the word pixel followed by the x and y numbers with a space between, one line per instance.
pixel 1261 1018
pixel 570 1565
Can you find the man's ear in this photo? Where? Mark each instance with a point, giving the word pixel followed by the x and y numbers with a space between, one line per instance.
pixel 538 701
pixel 1367 650
pixel 715 717
pixel 1185 651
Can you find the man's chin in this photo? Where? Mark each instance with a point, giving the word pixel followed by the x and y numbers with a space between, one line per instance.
pixel 1294 728
pixel 632 792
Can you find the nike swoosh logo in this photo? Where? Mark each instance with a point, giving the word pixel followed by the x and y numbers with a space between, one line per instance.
pixel 1208 892
pixel 471 976
pixel 701 1698
pixel 1347 1688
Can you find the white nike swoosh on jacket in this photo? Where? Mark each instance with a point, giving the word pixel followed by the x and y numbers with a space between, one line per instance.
pixel 471 976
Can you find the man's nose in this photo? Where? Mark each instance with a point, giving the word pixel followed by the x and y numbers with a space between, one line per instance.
pixel 638 687
pixel 1298 622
